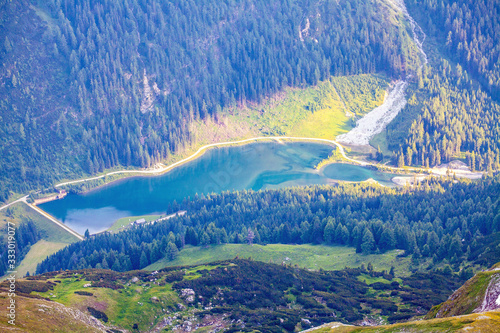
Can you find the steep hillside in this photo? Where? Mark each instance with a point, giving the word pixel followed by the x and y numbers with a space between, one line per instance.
pixel 36 236
pixel 468 33
pixel 453 102
pixel 235 295
pixel 43 316
pixel 91 85
pixel 481 293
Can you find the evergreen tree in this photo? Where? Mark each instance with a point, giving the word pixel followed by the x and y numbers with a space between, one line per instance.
pixel 172 251
pixel 329 233
pixel 368 242
pixel 387 240
pixel 143 262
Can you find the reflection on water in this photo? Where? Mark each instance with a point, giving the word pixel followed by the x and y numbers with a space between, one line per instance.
pixel 255 166
pixel 93 218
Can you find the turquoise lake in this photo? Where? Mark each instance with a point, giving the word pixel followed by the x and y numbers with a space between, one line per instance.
pixel 254 166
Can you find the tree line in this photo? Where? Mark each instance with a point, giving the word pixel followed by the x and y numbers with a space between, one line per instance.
pixel 453 118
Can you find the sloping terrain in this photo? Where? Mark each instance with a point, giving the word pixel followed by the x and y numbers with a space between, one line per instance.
pixel 487 322
pixel 235 294
pixel 481 293
pixel 42 316
pixel 474 307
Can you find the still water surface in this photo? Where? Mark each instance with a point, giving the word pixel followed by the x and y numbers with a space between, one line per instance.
pixel 254 166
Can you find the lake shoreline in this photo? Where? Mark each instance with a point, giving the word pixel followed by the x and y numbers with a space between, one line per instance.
pixel 199 153
pixel 258 163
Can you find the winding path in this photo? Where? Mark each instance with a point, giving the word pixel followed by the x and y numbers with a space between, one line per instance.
pixel 23 199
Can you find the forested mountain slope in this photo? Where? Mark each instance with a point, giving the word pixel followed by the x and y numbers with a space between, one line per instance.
pixel 90 85
pixel 454 108
pixel 469 33
pixel 452 118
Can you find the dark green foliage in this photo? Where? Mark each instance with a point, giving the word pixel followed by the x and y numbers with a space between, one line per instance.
pixel 98 314
pixel 430 221
pixel 452 115
pixel 249 287
pixel 25 236
pixel 275 298
pixel 454 107
pixel 30 286
pixel 172 251
pixel 469 32
pixel 91 85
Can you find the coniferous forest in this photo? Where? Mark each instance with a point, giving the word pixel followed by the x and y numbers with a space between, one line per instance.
pixel 89 86
pixel 468 30
pixel 454 106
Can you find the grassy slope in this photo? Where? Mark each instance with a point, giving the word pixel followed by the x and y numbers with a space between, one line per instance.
pixel 53 237
pixel 479 322
pixel 38 252
pixel 307 256
pixel 132 304
pixel 120 305
pixel 454 315
pixel 468 298
pixel 145 298
pixel 49 230
pixel 318 111
pixel 255 292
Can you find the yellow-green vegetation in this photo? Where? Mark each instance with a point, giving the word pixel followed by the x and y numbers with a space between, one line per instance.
pixel 478 322
pixel 306 256
pixel 321 111
pixel 333 158
pixel 39 251
pixel 361 93
pixel 121 304
pixel 124 222
pixel 370 279
pixel 469 297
